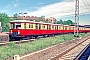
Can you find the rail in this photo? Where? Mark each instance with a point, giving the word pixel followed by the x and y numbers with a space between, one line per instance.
pixel 66 51
pixel 84 54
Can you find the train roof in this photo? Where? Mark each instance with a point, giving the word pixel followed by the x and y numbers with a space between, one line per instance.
pixel 87 26
pixel 79 25
pixel 15 21
pixel 24 21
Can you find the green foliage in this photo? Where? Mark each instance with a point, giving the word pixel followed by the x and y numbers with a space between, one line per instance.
pixel 68 22
pixel 37 20
pixel 11 44
pixel 4 19
pixel 31 20
pixel 16 16
pixel 60 22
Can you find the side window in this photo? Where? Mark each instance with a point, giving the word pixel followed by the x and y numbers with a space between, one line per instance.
pixel 53 27
pixel 47 27
pixel 57 27
pixel 30 25
pixel 43 26
pixel 65 28
pixel 36 26
pixel 69 28
pixel 24 25
pixel 60 27
pixel 39 26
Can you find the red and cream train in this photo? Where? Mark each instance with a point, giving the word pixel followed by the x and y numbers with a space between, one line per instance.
pixel 25 28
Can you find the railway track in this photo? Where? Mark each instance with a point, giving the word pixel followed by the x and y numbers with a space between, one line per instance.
pixel 84 54
pixel 18 41
pixel 71 53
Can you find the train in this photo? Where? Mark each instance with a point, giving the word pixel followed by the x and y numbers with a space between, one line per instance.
pixel 26 28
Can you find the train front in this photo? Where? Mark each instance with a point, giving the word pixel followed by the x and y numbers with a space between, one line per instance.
pixel 15 29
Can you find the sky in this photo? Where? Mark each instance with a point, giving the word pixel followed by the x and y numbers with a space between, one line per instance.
pixel 59 9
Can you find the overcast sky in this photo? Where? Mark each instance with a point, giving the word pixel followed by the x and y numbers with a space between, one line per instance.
pixel 60 9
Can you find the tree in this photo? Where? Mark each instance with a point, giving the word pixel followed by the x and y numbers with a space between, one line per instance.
pixel 68 22
pixel 16 16
pixel 31 20
pixel 37 20
pixel 4 19
pixel 60 21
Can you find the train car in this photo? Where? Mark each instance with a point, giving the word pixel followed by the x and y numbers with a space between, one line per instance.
pixel 25 28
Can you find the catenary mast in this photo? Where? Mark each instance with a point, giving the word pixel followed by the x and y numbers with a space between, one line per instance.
pixel 76 29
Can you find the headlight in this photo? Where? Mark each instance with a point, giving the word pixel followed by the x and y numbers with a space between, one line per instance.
pixel 18 32
pixel 11 31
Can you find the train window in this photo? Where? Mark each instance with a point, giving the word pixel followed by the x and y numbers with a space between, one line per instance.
pixel 60 27
pixel 43 26
pixel 57 27
pixel 52 27
pixel 49 27
pixel 18 25
pixel 39 26
pixel 36 26
pixel 12 25
pixel 31 25
pixel 69 28
pixel 65 28
pixel 24 25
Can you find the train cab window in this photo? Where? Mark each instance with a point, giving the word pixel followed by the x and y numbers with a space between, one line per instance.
pixel 12 26
pixel 18 25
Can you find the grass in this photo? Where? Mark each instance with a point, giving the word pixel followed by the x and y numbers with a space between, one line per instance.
pixel 12 49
